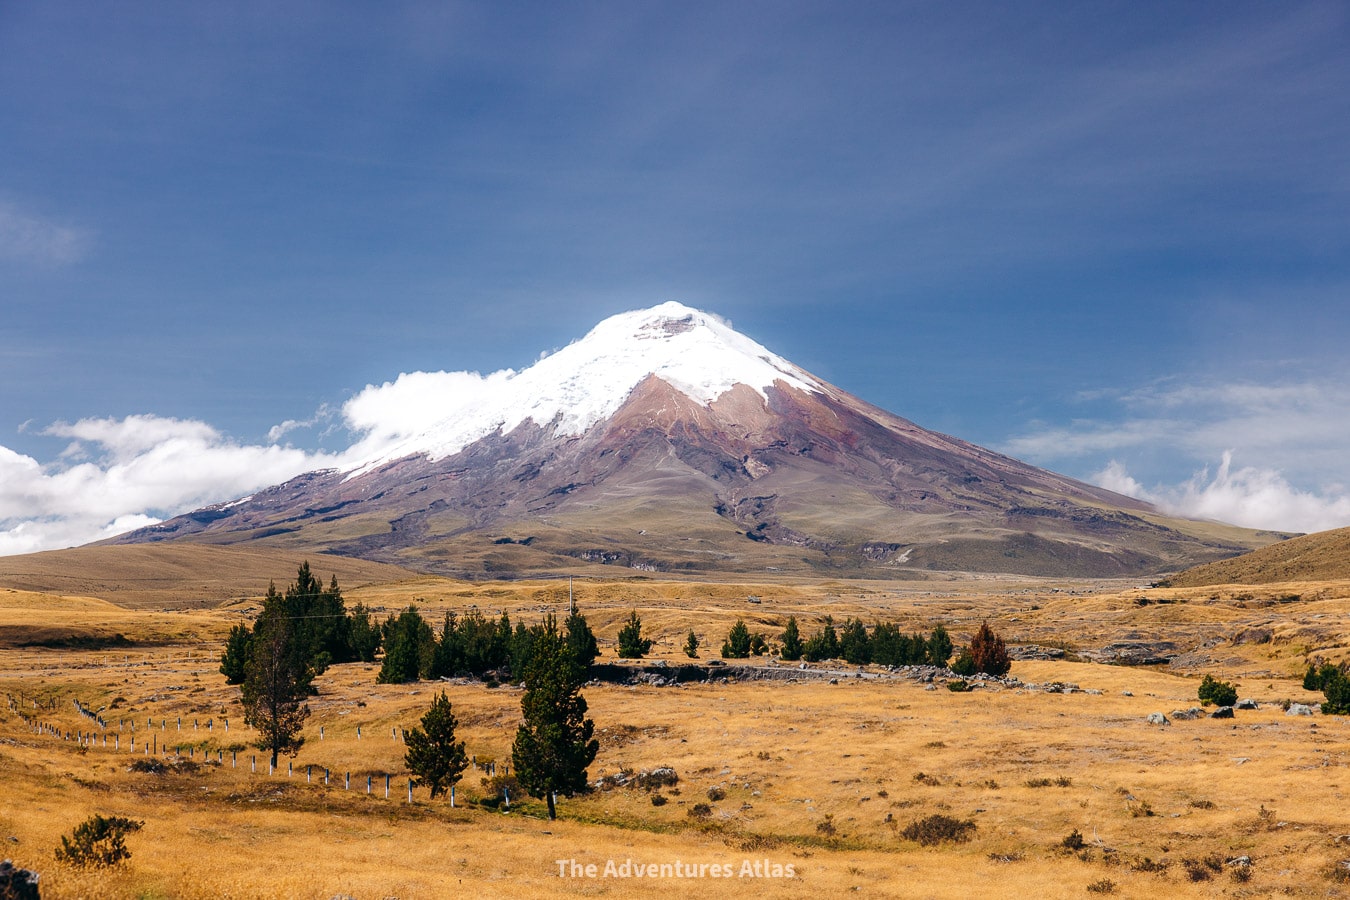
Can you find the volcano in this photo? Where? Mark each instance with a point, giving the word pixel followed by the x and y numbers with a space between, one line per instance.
pixel 665 441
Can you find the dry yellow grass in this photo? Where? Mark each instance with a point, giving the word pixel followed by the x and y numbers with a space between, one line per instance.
pixel 819 776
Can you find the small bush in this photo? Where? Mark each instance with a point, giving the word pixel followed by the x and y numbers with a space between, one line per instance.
pixel 930 780
pixel 700 811
pixel 964 664
pixel 716 793
pixel 827 826
pixel 1073 840
pixel 1148 865
pixel 1219 693
pixel 1105 886
pixel 98 842
pixel 659 800
pixel 934 830
pixel 958 687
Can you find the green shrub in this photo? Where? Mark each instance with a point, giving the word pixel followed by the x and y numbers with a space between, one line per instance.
pixel 934 830
pixel 957 687
pixel 1219 693
pixel 1073 841
pixel 98 842
pixel 964 664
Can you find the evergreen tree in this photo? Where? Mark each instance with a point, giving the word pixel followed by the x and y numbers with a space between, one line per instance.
pixel 823 645
pixel 1336 687
pixel 632 645
pixel 555 743
pixel 939 647
pixel 365 635
pixel 691 645
pixel 964 665
pixel 234 659
pixel 853 644
pixel 522 648
pixel 1220 693
pixel 276 682
pixel 792 641
pixel 759 645
pixel 581 643
pixel 737 644
pixel 409 648
pixel 434 757
pixel 989 653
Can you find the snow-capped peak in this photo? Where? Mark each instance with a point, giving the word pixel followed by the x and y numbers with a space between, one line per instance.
pixel 573 389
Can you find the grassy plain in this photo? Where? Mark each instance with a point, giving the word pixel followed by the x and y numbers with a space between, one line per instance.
pixel 823 777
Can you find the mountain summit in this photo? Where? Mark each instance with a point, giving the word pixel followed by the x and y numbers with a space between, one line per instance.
pixel 587 382
pixel 666 441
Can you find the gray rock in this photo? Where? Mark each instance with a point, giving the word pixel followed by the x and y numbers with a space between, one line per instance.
pixel 1193 713
pixel 1223 712
pixel 1157 718
pixel 1299 709
pixel 1127 693
pixel 1247 703
pixel 17 883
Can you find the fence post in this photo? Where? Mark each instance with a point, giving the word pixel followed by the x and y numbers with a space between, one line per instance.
pixel 325 774
pixel 358 732
pixel 506 792
pixel 347 784
pixel 386 787
pixel 309 774
pixel 452 796
pixel 368 782
pixel 234 759
pixel 255 763
pixel 290 768
pixel 409 790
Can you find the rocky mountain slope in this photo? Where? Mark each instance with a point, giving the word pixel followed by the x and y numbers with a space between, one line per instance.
pixel 666 441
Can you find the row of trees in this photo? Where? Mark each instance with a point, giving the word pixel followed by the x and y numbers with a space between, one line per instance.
pixel 321 630
pixel 472 645
pixel 1334 682
pixel 885 645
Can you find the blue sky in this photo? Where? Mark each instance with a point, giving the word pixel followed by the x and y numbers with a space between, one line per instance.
pixel 1112 239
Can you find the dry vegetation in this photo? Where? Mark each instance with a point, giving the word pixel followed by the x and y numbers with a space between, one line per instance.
pixel 827 778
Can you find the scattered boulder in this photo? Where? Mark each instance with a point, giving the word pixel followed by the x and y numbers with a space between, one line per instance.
pixel 1193 713
pixel 1223 712
pixel 1157 718
pixel 17 883
pixel 1299 709
pixel 1247 703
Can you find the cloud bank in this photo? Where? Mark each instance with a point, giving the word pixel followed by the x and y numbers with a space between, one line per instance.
pixel 1297 432
pixel 117 475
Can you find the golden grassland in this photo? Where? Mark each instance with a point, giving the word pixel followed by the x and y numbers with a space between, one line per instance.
pixel 819 776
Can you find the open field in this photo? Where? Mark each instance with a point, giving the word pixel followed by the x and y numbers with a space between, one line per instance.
pixel 819 776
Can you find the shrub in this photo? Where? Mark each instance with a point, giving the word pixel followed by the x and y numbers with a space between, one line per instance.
pixel 1104 886
pixel 958 687
pixel 934 830
pixel 700 811
pixel 691 645
pixel 659 800
pixel 1219 693
pixel 98 842
pixel 964 664
pixel 1073 841
pixel 1336 687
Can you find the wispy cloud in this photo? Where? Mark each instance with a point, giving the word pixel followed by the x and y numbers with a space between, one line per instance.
pixel 30 238
pixel 1290 437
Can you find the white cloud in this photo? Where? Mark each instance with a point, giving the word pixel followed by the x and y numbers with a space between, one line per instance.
pixel 1292 437
pixel 29 238
pixel 120 474
pixel 1250 496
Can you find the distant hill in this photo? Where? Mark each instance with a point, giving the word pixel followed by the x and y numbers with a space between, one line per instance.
pixel 179 575
pixel 1324 556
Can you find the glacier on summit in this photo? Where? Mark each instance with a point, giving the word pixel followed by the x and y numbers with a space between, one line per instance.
pixel 570 390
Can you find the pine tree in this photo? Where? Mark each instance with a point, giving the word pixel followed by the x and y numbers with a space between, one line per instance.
pixel 632 645
pixel 989 653
pixel 409 647
pixel 737 644
pixel 365 635
pixel 555 743
pixel 276 682
pixel 434 757
pixel 939 647
pixel 691 645
pixel 580 640
pixel 234 659
pixel 792 641
pixel 853 643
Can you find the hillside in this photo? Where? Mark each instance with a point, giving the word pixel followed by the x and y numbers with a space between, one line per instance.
pixel 1324 556
pixel 178 575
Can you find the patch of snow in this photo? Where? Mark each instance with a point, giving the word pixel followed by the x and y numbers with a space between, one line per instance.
pixel 439 414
